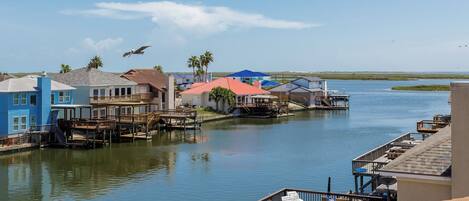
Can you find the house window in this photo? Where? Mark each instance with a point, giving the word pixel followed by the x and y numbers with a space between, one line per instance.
pixel 95 92
pixel 123 91
pixel 163 97
pixel 52 99
pixel 129 110
pixel 23 122
pixel 67 96
pixel 23 99
pixel 102 92
pixel 102 113
pixel 32 121
pixel 95 113
pixel 16 99
pixel 122 111
pixel 61 97
pixel 129 91
pixel 116 92
pixel 16 122
pixel 32 100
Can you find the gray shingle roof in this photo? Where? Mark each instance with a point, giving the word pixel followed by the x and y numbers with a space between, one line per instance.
pixel 28 83
pixel 91 77
pixel 431 157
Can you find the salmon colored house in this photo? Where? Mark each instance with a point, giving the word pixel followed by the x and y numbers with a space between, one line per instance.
pixel 199 95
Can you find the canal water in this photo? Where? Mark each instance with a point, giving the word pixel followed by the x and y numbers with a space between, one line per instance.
pixel 238 159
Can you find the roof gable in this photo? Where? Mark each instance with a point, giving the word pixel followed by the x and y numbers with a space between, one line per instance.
pixel 151 77
pixel 236 86
pixel 91 77
pixel 29 83
pixel 247 73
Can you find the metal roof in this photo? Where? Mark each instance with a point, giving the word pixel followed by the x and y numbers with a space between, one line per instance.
pixel 247 73
pixel 29 83
pixel 91 77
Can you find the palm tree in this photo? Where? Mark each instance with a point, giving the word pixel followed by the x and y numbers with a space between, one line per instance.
pixel 205 60
pixel 65 68
pixel 95 63
pixel 193 62
pixel 228 97
pixel 216 94
pixel 158 68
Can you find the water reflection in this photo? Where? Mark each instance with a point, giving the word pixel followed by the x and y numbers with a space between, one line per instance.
pixel 85 174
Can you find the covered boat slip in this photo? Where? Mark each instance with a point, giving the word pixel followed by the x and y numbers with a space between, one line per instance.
pixel 118 121
pixel 263 106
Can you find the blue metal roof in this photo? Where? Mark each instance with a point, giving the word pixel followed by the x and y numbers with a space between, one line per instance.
pixel 247 73
pixel 268 83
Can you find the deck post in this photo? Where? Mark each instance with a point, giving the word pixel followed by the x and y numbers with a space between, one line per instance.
pixel 361 184
pixel 356 183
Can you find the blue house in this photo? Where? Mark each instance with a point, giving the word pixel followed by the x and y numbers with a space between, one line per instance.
pixel 249 77
pixel 26 102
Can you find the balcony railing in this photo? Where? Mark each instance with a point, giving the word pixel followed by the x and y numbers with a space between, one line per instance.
pixel 307 195
pixel 367 163
pixel 430 126
pixel 126 98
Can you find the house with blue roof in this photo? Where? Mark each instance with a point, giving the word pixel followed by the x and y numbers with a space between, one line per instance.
pixel 26 103
pixel 249 77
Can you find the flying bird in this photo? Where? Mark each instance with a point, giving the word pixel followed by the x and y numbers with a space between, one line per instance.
pixel 137 51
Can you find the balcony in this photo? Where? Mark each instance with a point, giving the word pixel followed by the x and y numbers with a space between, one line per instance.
pixel 307 195
pixel 373 160
pixel 141 97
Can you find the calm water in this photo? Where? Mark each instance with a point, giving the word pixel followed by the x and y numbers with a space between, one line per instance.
pixel 240 159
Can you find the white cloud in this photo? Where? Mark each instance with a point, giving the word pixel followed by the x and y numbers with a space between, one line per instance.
pixel 197 18
pixel 101 45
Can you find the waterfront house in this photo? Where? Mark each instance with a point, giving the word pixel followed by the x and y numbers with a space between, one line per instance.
pixel 98 88
pixel 250 77
pixel 159 87
pixel 199 96
pixel 310 92
pixel 26 103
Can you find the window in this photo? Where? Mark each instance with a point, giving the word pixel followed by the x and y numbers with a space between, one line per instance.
pixel 122 91
pixel 95 113
pixel 122 111
pixel 32 121
pixel 67 97
pixel 23 122
pixel 129 91
pixel 129 111
pixel 32 100
pixel 61 97
pixel 23 99
pixel 16 100
pixel 16 121
pixel 116 92
pixel 163 97
pixel 95 92
pixel 52 99
pixel 102 92
pixel 102 113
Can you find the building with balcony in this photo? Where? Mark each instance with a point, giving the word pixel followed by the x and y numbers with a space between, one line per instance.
pixel 26 103
pixel 97 88
pixel 310 92
pixel 157 87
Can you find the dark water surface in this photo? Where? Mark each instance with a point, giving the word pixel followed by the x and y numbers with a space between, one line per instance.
pixel 239 159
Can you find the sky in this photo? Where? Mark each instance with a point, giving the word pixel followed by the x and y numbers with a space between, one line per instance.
pixel 261 35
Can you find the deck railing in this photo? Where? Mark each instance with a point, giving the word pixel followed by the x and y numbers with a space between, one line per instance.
pixel 125 98
pixel 29 136
pixel 366 163
pixel 430 126
pixel 307 195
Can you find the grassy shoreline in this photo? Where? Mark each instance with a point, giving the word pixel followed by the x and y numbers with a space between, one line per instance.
pixel 422 88
pixel 393 76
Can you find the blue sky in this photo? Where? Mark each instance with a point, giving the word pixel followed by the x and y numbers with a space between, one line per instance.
pixel 265 35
